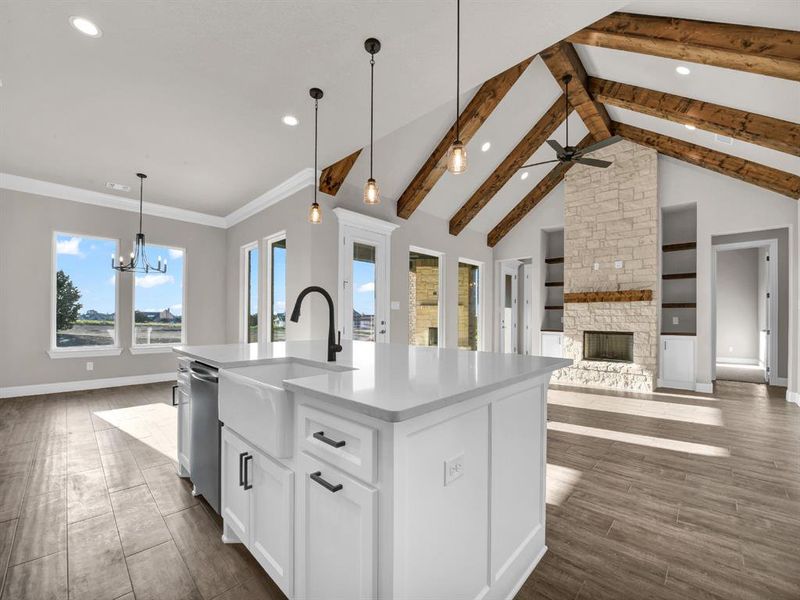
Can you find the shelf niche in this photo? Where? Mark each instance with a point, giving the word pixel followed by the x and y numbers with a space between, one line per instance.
pixel 553 289
pixel 679 270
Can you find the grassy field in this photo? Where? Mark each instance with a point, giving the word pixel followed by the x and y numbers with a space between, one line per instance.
pixel 101 333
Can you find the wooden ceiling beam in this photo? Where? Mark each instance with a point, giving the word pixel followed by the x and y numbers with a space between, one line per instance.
pixel 333 176
pixel 472 117
pixel 773 52
pixel 769 132
pixel 532 198
pixel 562 59
pixel 763 176
pixel 537 136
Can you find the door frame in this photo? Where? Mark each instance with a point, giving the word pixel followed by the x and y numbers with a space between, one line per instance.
pixel 511 267
pixel 355 227
pixel 442 334
pixel 772 352
pixel 482 345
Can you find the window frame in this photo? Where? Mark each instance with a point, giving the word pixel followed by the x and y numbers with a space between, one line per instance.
pixel 442 333
pixel 481 303
pixel 265 290
pixel 80 351
pixel 244 265
pixel 161 348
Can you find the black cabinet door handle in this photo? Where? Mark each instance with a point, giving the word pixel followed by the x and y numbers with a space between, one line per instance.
pixel 247 485
pixel 241 475
pixel 174 389
pixel 320 435
pixel 328 486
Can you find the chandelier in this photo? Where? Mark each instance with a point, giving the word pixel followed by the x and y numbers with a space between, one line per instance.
pixel 138 262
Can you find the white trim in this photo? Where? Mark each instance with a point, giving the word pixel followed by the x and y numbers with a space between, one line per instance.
pixel 737 361
pixel 152 349
pixel 86 384
pixel 793 397
pixel 442 325
pixel 54 351
pixel 244 265
pixel 361 221
pixel 84 352
pixel 704 388
pixel 481 299
pixel 265 307
pixel 294 184
pixel 781 382
pixel 66 192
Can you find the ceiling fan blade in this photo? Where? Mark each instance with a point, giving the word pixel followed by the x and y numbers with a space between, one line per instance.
pixel 593 162
pixel 556 146
pixel 606 142
pixel 539 163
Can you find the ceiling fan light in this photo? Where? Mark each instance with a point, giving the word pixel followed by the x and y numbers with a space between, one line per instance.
pixel 372 193
pixel 457 158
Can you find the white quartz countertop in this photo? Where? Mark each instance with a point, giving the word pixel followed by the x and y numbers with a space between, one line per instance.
pixel 392 382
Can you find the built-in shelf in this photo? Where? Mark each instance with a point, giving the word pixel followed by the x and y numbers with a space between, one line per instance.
pixel 554 307
pixel 678 333
pixel 553 284
pixel 679 305
pixel 679 247
pixel 555 260
pixel 679 276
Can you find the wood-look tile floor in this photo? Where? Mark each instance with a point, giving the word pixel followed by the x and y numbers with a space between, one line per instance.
pixel 664 496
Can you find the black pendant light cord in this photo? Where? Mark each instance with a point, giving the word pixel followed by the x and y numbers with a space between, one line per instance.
pixel 458 66
pixel 316 118
pixel 371 109
pixel 141 202
pixel 566 112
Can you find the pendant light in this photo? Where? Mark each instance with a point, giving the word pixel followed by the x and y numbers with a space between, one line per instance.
pixel 457 159
pixel 372 194
pixel 314 213
pixel 138 262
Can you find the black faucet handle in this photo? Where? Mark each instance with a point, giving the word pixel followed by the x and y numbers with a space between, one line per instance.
pixel 339 338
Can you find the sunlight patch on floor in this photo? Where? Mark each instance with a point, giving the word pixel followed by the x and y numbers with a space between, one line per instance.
pixel 154 425
pixel 560 483
pixel 641 440
pixel 686 413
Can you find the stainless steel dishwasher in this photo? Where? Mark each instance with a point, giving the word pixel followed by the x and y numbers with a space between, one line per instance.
pixel 205 433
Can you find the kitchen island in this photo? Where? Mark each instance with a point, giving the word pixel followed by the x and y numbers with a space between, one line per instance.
pixel 394 472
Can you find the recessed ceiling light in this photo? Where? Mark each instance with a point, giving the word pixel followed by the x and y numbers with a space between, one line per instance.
pixel 290 120
pixel 524 176
pixel 85 26
pixel 485 147
pixel 690 127
pixel 681 70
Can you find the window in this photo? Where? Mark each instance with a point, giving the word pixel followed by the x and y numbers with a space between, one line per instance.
pixel 84 293
pixel 276 246
pixel 363 292
pixel 468 305
pixel 158 301
pixel 424 291
pixel 250 293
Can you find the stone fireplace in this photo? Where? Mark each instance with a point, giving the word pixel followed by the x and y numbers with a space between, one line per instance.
pixel 611 270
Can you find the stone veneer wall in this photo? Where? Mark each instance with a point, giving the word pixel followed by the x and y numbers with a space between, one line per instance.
pixel 609 215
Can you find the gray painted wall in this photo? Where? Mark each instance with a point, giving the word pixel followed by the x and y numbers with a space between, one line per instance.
pixel 737 304
pixel 27 223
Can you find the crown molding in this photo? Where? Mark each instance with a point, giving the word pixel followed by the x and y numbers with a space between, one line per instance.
pixel 294 184
pixel 66 192
pixel 362 221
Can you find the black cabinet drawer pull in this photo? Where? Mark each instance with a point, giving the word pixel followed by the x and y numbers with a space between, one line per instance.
pixel 328 486
pixel 241 475
pixel 247 485
pixel 174 389
pixel 320 435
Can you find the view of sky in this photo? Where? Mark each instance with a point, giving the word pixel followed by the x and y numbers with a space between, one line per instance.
pixel 364 287
pixel 279 279
pixel 87 261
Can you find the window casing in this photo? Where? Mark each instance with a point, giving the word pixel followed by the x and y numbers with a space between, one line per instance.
pixel 470 323
pixel 425 292
pixel 249 271
pixel 276 288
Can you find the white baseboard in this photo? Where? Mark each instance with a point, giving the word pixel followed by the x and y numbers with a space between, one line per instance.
pixel 86 384
pixel 793 397
pixel 704 388
pixel 732 360
pixel 781 382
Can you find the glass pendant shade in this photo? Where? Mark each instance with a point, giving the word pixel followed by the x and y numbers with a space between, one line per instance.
pixel 457 158
pixel 372 193
pixel 315 214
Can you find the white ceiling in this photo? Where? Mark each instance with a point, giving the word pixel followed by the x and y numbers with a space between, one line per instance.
pixel 192 92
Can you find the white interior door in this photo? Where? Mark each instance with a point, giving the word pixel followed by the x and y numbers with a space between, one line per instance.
pixel 364 286
pixel 526 309
pixel 508 310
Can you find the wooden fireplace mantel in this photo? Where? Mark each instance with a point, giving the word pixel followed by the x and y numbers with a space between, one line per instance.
pixel 620 296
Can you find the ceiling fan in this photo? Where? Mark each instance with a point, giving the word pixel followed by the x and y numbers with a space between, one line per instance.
pixel 571 154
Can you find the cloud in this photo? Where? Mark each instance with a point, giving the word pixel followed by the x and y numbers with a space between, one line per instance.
pixel 153 280
pixel 366 287
pixel 72 246
pixel 112 280
pixel 175 254
pixel 176 309
pixel 280 306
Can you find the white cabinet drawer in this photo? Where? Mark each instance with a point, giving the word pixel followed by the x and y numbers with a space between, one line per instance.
pixel 346 444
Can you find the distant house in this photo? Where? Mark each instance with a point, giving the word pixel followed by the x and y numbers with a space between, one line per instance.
pixel 363 322
pixel 165 316
pixel 93 315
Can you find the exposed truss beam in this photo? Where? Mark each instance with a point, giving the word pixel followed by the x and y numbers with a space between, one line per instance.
pixel 472 117
pixel 773 52
pixel 538 134
pixel 333 176
pixel 778 181
pixel 749 127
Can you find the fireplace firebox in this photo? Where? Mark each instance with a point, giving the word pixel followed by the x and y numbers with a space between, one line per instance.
pixel 610 346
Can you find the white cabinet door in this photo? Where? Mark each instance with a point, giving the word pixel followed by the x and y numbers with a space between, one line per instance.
pixel 552 344
pixel 337 534
pixel 677 361
pixel 272 519
pixel 184 431
pixel 235 499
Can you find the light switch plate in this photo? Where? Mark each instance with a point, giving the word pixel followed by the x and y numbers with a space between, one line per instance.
pixel 89 366
pixel 453 469
pixel 618 264
pixel 596 266
pixel 395 305
pixel 674 320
